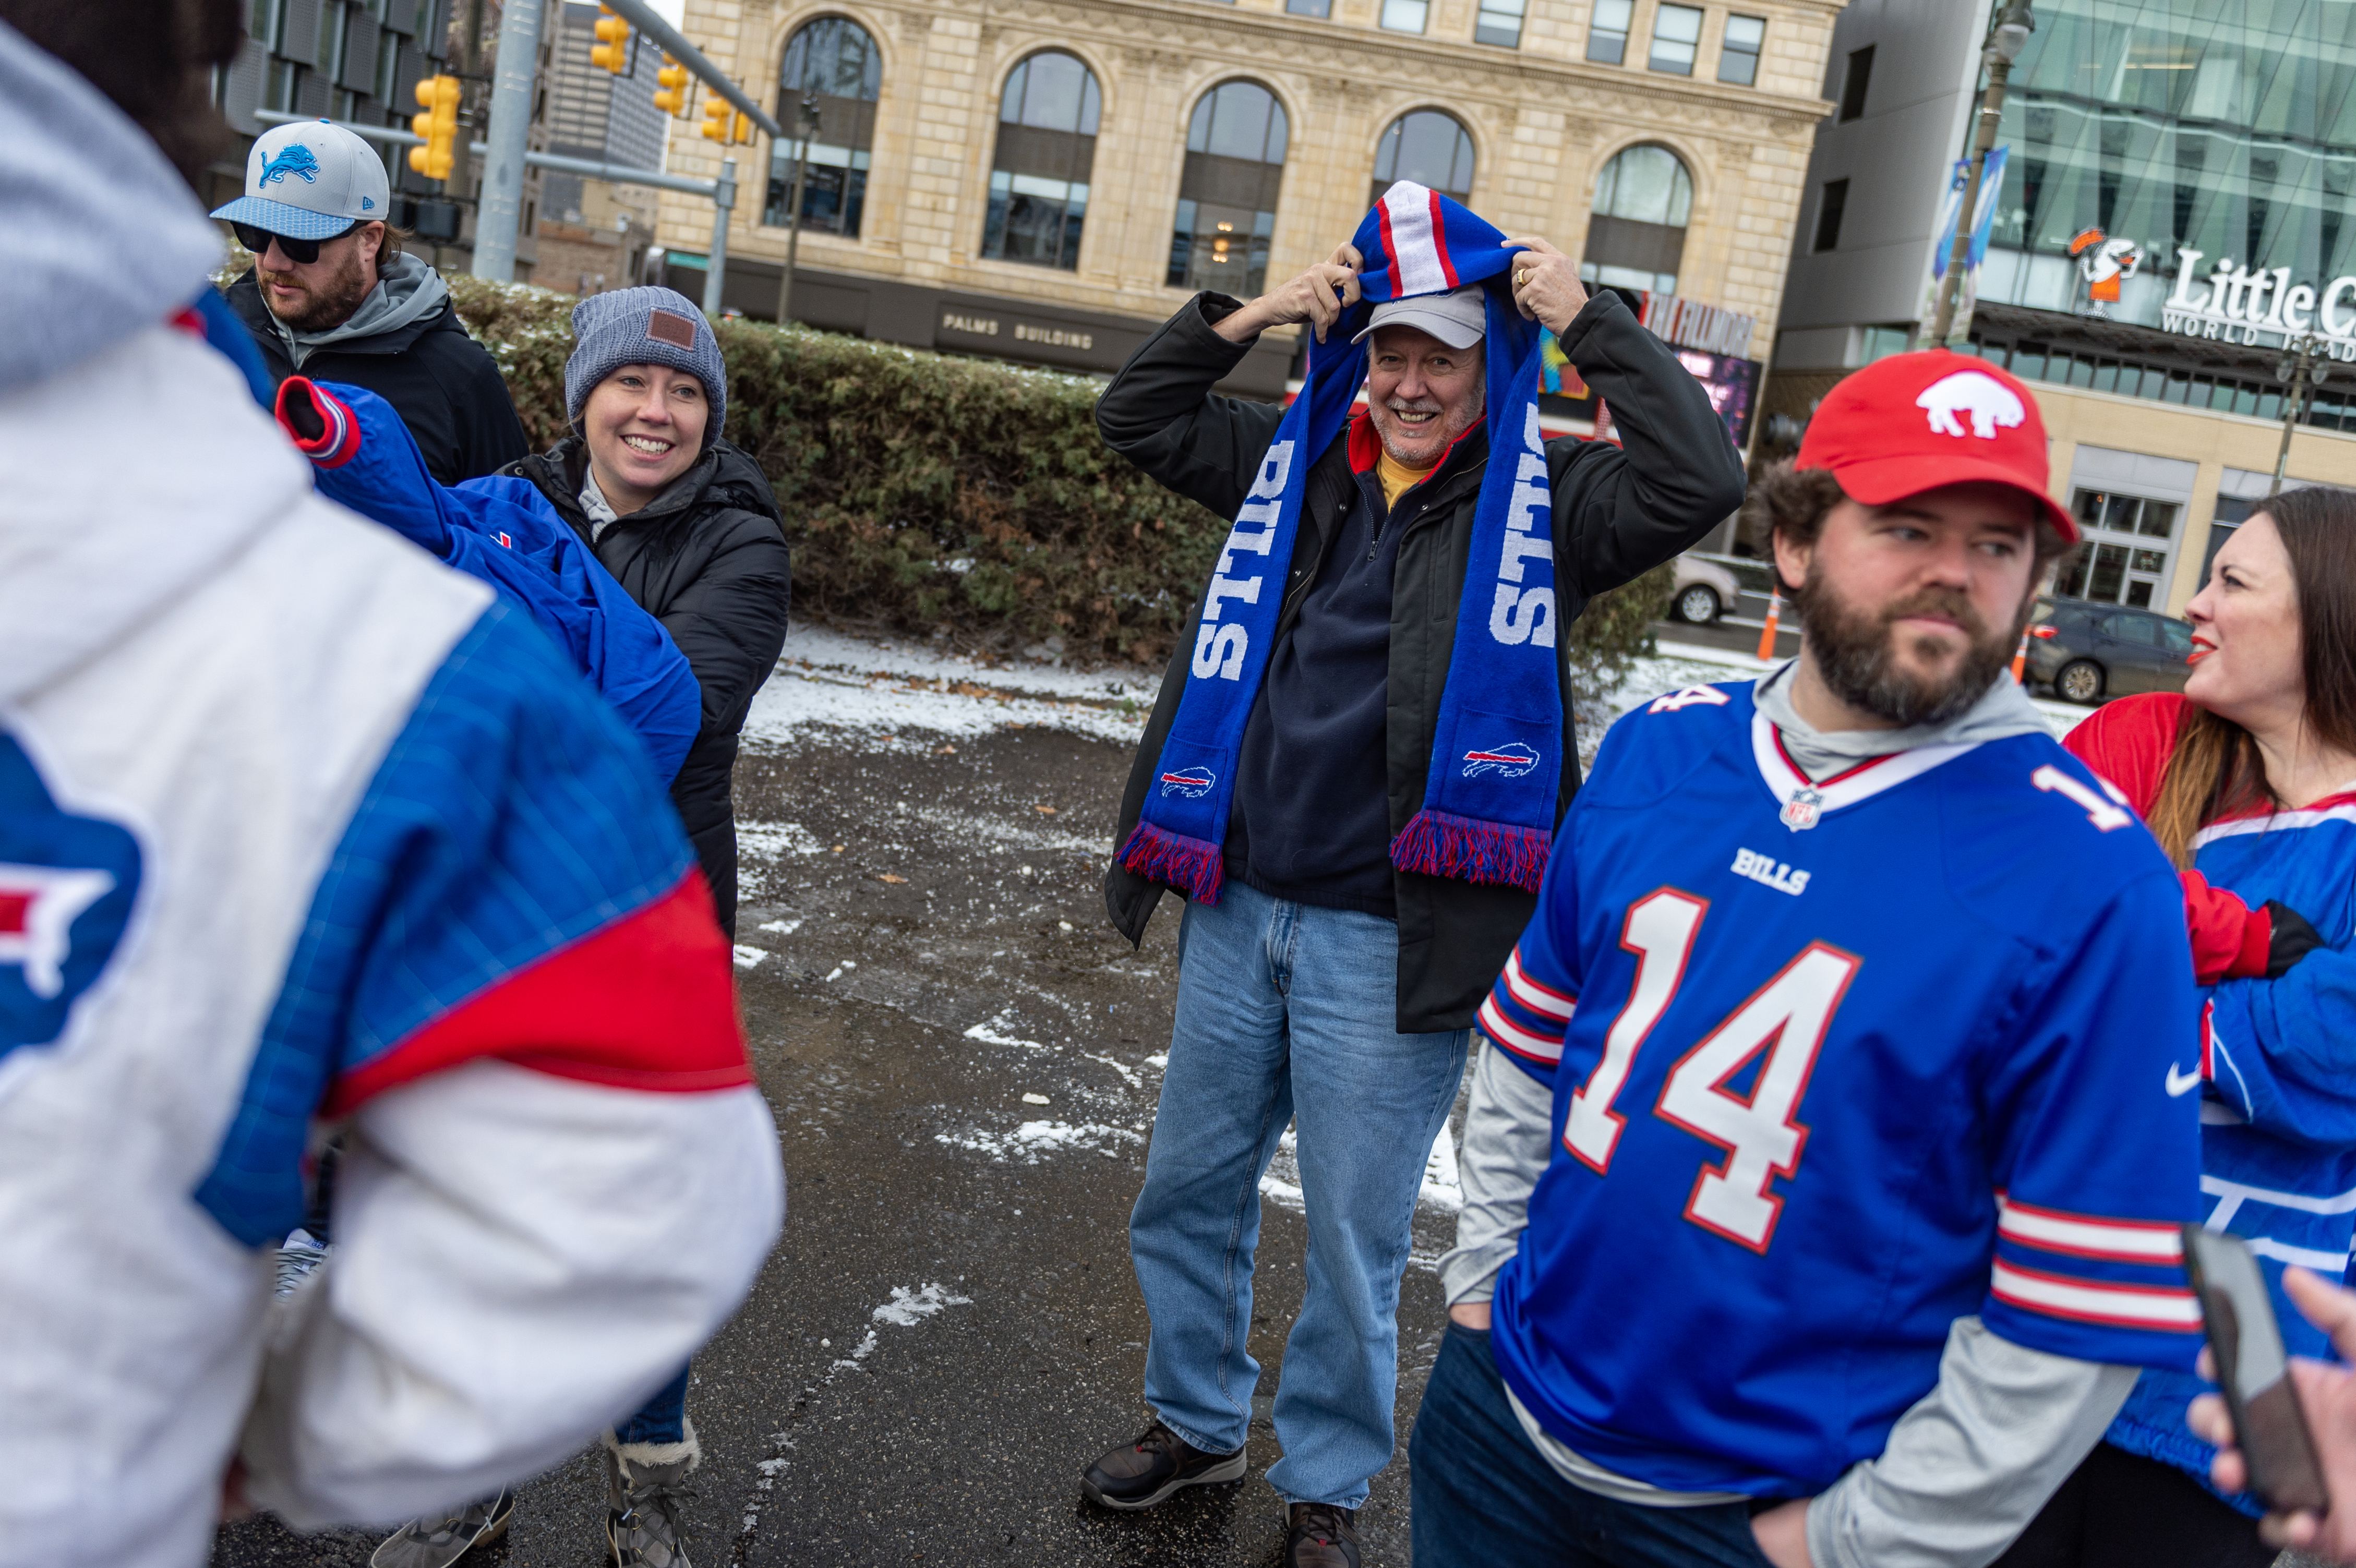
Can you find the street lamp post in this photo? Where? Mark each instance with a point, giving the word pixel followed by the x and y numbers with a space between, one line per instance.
pixel 2006 38
pixel 805 127
pixel 2297 366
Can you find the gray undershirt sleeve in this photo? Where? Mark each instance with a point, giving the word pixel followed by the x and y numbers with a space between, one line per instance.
pixel 1968 1468
pixel 1506 1134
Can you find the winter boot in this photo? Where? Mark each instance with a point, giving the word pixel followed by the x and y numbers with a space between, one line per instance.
pixel 645 1483
pixel 438 1543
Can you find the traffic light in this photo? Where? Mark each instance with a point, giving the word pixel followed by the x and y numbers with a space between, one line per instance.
pixel 612 49
pixel 723 123
pixel 672 99
pixel 438 125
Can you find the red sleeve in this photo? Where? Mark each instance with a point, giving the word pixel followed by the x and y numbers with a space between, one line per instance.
pixel 2230 939
pixel 2128 742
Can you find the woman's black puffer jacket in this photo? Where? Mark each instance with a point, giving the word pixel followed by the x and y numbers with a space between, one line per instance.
pixel 707 558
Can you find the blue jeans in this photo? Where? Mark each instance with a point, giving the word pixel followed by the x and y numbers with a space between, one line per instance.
pixel 1484 1497
pixel 662 1419
pixel 1286 1011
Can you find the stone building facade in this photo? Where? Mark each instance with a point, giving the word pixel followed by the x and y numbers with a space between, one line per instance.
pixel 1544 94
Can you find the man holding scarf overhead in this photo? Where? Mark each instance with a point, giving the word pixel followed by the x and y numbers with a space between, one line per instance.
pixel 1354 774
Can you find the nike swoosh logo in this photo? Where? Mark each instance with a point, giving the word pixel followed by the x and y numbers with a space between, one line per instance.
pixel 2177 1084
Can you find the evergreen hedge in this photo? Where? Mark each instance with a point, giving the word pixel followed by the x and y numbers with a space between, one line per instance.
pixel 922 491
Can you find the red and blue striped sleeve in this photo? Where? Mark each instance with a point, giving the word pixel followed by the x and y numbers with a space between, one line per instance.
pixel 2091 1099
pixel 1528 1009
pixel 513 884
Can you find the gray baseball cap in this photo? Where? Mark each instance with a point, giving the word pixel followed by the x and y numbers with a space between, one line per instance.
pixel 310 180
pixel 1458 318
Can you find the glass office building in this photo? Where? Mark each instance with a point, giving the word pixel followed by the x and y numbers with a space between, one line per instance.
pixel 2216 138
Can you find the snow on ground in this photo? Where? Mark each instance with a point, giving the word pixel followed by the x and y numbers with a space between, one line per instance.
pixel 908 696
pixel 1032 1139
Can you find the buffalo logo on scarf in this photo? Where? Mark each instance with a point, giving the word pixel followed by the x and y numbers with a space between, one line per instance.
pixel 1489 796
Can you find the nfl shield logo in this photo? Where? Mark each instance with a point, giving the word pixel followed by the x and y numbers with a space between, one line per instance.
pixel 1800 812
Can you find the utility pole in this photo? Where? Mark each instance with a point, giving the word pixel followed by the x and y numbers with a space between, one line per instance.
pixel 2007 37
pixel 501 214
pixel 805 127
pixel 715 269
pixel 2298 368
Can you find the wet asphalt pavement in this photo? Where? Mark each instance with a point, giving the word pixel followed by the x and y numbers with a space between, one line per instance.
pixel 949 1329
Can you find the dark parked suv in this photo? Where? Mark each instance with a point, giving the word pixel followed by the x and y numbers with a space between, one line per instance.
pixel 2087 651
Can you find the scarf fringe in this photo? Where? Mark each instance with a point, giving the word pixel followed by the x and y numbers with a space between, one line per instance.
pixel 1190 865
pixel 1442 844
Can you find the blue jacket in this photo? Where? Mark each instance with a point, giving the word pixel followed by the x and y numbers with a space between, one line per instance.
pixel 504 532
pixel 2277 1060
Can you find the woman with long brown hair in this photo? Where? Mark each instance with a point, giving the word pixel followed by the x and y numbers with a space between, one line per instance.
pixel 2249 782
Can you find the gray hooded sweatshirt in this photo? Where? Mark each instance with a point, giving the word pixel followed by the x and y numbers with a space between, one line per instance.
pixel 406 291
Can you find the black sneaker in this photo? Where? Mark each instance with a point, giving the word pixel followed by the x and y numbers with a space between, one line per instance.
pixel 1321 1536
pixel 1138 1475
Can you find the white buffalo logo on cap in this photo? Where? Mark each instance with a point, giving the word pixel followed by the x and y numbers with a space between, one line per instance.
pixel 1976 392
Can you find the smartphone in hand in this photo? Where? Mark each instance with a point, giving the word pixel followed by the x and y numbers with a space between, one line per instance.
pixel 2254 1373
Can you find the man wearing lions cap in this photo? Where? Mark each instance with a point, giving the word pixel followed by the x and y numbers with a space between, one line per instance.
pixel 1352 773
pixel 331 297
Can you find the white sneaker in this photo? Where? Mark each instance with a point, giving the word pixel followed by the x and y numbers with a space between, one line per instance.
pixel 301 1254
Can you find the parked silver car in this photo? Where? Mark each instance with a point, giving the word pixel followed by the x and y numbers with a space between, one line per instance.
pixel 1705 591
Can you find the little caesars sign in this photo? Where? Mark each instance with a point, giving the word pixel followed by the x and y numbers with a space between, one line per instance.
pixel 2253 305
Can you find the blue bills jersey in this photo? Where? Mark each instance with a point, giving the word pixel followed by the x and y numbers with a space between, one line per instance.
pixel 1834 1065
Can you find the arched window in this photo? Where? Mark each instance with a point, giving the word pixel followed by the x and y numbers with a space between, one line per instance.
pixel 1039 176
pixel 1637 238
pixel 1429 147
pixel 835 60
pixel 1226 200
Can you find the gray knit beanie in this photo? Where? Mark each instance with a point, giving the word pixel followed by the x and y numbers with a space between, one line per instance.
pixel 643 326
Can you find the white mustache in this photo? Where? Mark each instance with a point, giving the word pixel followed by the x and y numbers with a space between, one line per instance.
pixel 1398 406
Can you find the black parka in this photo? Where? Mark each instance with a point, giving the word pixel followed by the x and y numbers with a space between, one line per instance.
pixel 1617 512
pixel 707 558
pixel 445 387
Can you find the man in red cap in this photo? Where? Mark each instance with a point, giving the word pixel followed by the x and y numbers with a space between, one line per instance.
pixel 1825 1160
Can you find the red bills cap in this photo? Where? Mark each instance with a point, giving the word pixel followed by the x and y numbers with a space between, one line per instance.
pixel 1914 422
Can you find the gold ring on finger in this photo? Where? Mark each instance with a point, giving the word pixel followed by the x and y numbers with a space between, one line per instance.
pixel 1522 277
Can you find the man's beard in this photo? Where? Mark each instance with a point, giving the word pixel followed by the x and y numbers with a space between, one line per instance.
pixel 1857 655
pixel 1446 428
pixel 331 303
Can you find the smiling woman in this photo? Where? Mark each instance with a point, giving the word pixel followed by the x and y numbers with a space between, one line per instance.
pixel 2249 781
pixel 644 426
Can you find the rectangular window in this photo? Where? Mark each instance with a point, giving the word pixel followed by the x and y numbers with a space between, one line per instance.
pixel 1309 7
pixel 1406 16
pixel 1828 213
pixel 1499 23
pixel 1738 58
pixel 1607 35
pixel 1677 37
pixel 1853 82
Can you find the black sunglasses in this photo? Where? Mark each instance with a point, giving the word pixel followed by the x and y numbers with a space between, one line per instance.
pixel 302 252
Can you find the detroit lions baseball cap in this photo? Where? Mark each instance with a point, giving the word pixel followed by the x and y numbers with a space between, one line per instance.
pixel 1914 422
pixel 1458 318
pixel 310 180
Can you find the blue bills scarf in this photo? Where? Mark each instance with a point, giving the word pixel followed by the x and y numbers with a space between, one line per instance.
pixel 1489 800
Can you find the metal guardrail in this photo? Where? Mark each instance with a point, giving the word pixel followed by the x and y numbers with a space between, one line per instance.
pixel 621 174
pixel 721 193
pixel 672 42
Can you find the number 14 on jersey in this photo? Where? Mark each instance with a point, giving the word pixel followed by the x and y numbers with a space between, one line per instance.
pixel 1787 1019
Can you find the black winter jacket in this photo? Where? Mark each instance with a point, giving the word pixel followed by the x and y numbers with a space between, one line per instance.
pixel 445 385
pixel 707 558
pixel 1617 513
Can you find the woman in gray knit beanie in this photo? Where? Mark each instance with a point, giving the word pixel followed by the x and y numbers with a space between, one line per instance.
pixel 646 389
pixel 688 526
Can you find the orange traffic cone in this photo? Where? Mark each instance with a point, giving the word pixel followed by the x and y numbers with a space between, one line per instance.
pixel 2020 659
pixel 1767 633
